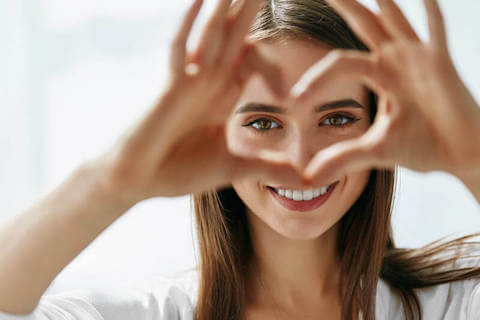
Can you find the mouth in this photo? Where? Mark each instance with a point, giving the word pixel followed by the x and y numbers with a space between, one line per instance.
pixel 302 200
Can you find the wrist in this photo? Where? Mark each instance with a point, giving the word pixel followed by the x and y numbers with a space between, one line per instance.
pixel 103 188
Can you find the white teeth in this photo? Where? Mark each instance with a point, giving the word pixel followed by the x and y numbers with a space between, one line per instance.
pixel 288 194
pixel 308 195
pixel 297 195
pixel 302 195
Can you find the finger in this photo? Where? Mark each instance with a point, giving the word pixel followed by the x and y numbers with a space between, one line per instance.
pixel 178 51
pixel 256 62
pixel 436 24
pixel 336 66
pixel 213 34
pixel 395 21
pixel 338 160
pixel 363 21
pixel 238 30
pixel 267 166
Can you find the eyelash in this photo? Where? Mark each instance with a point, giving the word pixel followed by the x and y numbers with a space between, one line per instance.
pixel 350 119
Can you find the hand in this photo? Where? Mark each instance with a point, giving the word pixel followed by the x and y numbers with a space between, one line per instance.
pixel 426 119
pixel 179 147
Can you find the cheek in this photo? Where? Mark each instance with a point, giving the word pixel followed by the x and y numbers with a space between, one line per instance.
pixel 253 194
pixel 355 184
pixel 241 142
pixel 248 190
pixel 244 138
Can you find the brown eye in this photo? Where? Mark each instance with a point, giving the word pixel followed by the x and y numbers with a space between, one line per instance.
pixel 262 125
pixel 338 120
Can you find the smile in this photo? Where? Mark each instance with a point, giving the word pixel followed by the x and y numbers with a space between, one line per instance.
pixel 302 200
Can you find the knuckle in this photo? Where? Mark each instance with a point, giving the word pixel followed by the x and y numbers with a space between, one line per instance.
pixel 229 23
pixel 199 55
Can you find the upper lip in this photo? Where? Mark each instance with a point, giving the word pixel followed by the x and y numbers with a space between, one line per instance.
pixel 303 189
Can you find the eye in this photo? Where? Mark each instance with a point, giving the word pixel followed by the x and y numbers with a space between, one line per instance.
pixel 338 120
pixel 262 125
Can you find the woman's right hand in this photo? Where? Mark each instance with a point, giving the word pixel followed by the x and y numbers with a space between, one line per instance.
pixel 179 146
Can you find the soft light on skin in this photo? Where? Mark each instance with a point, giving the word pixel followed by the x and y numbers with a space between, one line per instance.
pixel 297 249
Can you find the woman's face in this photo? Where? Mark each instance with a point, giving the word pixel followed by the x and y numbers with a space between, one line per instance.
pixel 299 132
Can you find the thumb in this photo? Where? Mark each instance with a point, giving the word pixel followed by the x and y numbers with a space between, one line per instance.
pixel 339 159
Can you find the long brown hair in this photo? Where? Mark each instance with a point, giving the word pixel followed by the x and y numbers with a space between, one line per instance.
pixel 365 241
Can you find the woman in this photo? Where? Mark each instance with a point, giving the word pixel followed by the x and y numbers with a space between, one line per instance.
pixel 292 188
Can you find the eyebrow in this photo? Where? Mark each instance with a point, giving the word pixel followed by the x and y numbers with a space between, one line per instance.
pixel 257 107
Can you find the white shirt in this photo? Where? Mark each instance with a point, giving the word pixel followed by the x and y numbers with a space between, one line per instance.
pixel 174 298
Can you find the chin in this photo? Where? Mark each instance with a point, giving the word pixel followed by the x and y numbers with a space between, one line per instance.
pixel 300 231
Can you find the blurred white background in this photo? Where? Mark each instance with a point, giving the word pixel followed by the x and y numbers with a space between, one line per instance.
pixel 75 74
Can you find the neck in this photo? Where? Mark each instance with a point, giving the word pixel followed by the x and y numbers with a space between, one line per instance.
pixel 294 273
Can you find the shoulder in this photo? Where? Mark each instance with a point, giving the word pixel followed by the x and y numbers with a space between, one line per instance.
pixel 161 297
pixel 459 300
pixel 180 288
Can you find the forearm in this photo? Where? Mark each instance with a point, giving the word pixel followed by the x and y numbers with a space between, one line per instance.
pixel 39 242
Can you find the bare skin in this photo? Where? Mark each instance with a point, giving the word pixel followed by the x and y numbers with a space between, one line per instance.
pixel 180 146
pixel 177 148
pixel 297 251
pixel 426 113
pixel 420 125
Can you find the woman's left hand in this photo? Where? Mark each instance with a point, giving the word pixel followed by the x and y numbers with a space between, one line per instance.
pixel 426 119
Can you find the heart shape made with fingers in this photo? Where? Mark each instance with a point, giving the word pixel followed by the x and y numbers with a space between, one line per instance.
pixel 425 115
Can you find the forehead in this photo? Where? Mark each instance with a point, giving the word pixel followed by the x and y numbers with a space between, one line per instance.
pixel 295 57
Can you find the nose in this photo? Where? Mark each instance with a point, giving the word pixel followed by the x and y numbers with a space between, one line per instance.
pixel 301 150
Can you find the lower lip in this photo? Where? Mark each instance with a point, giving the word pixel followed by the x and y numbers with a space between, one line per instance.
pixel 303 205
